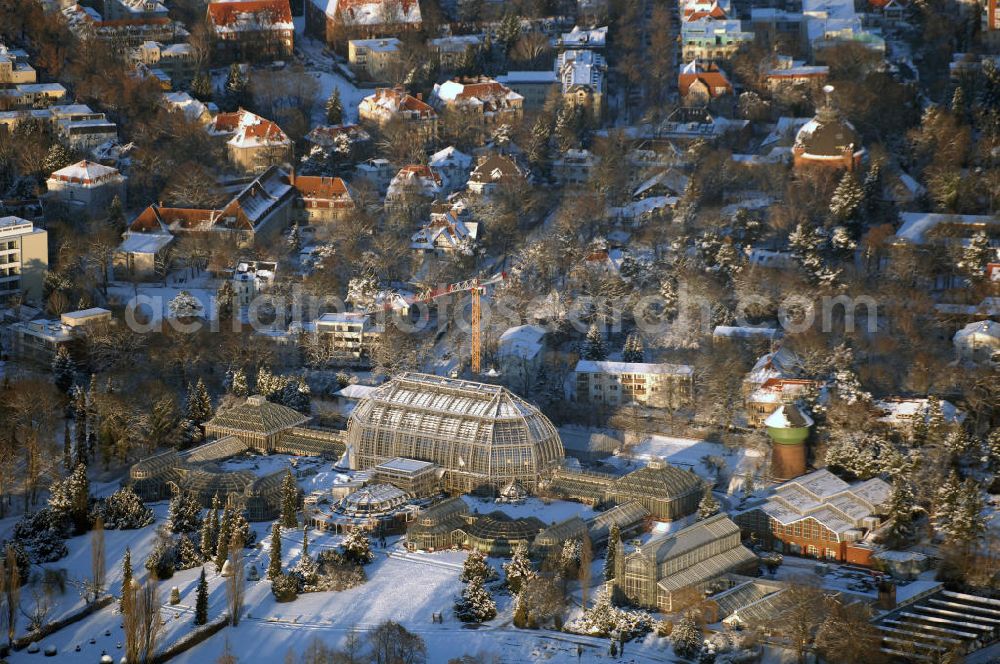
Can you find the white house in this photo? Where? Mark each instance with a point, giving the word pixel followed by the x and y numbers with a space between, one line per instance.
pixel 979 342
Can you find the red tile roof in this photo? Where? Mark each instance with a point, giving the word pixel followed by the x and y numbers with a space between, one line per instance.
pixel 228 13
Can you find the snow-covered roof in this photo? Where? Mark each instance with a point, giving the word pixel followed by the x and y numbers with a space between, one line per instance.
pixel 382 45
pixel 901 409
pixel 144 243
pixel 354 391
pixel 987 328
pixel 87 173
pixel 916 226
pixel 182 101
pixel 585 37
pixel 781 363
pixel 648 368
pixel 450 156
pixel 250 15
pixel 368 12
pixel 581 67
pixel 522 341
pixel 745 332
pixel 533 77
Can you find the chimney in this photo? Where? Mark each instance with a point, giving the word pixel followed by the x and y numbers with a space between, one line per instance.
pixel 886 595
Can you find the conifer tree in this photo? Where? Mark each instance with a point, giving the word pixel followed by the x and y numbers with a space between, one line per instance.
pixel 847 198
pixel 57 157
pixel 237 86
pixel 222 542
pixel 475 605
pixel 116 215
pixel 199 403
pixel 947 500
pixel 992 459
pixel 519 569
pixel 274 566
pixel 476 567
pixel 201 86
pixel 334 108
pixel 63 370
pixel 289 501
pixel 201 600
pixel 357 547
pixel 210 530
pixel 305 540
pixel 126 579
pixel 67 448
pixel 967 523
pixel 975 255
pixel 593 345
pixel 633 351
pixel 80 424
pixel 686 637
pixel 936 425
pixel 238 386
pixel 708 507
pixel 184 514
pixel 294 239
pixel 610 557
pixel 900 512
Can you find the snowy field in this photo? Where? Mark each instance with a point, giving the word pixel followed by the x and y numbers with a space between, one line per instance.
pixel 153 299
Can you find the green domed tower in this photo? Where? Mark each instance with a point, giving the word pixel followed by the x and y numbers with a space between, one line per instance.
pixel 788 428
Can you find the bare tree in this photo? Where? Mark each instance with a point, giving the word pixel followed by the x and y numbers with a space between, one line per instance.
pixel 235 589
pixel 391 643
pixel 227 656
pixel 147 610
pixel 10 588
pixel 40 607
pixel 586 557
pixel 98 571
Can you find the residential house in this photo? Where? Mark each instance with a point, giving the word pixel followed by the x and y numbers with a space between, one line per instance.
pixel 31 95
pixel 250 278
pixel 191 108
pixel 253 143
pixel 582 74
pixel 143 256
pixel 258 213
pixel 784 72
pixel 414 186
pixel 349 337
pixel 492 103
pixel 251 30
pixel 453 166
pixel 495 172
pixel 774 393
pixel 641 383
pixel 322 200
pixel 394 105
pixel 574 168
pixel 126 32
pixel 670 572
pixel 710 39
pixel 83 131
pixel 520 352
pixel 903 413
pixel 979 342
pixel 348 140
pixel 376 58
pixel 24 260
pixel 452 52
pixel 86 187
pixel 701 83
pixel 818 515
pixel 780 363
pixel 176 61
pixel 14 68
pixel 337 21
pixel 449 230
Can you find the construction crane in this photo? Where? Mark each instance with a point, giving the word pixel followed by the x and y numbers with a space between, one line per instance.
pixel 476 287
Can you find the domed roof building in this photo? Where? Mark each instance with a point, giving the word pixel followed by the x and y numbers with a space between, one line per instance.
pixel 828 140
pixel 483 436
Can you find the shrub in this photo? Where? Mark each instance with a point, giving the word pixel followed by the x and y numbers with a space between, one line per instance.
pixel 285 588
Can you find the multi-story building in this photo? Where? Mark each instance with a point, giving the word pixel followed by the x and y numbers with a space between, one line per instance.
pixel 582 75
pixel 253 143
pixel 14 68
pixel 818 515
pixel 709 39
pixel 452 51
pixel 784 72
pixel 349 138
pixel 251 29
pixel 349 336
pixel 536 87
pixel 453 165
pixel 415 185
pixel 671 572
pixel 337 21
pixel 574 168
pixel 134 28
pixel 991 20
pixel 176 61
pixel 376 58
pixel 701 83
pixel 592 38
pixel 389 105
pixel 494 172
pixel 24 259
pixel 625 383
pixel 40 340
pixel 84 131
pixel 492 103
pixel 86 187
pixel 251 278
pixel 322 200
pixel 31 95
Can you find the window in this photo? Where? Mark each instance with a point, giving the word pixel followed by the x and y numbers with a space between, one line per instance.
pixel 831 554
pixel 812 551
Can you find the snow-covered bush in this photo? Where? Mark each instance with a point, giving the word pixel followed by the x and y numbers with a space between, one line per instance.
pixel 161 561
pixel 335 572
pixel 604 619
pixel 41 535
pixel 124 510
pixel 686 637
pixel 185 554
pixel 475 604
pixel 285 588
pixel 184 515
pixel 357 547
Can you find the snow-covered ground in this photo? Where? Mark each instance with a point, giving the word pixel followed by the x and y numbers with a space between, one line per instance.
pixel 153 299
pixel 548 511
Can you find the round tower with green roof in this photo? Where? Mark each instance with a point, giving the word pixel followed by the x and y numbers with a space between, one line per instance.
pixel 788 428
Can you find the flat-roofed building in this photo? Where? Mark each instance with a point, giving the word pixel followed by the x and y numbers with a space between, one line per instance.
pixel 24 259
pixel 349 337
pixel 375 57
pixel 624 383
pixel 40 340
pixel 417 478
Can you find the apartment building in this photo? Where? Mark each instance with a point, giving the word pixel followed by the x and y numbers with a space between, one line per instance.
pixel 349 336
pixel 24 259
pixel 376 58
pixel 640 383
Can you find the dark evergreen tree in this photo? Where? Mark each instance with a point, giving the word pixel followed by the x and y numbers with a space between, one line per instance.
pixel 126 580
pixel 80 424
pixel 57 157
pixel 334 108
pixel 225 534
pixel 67 448
pixel 63 370
pixel 201 86
pixel 610 557
pixel 199 403
pixel 633 350
pixel 593 345
pixel 237 87
pixel 900 531
pixel 274 565
pixel 289 501
pixel 201 600
pixel 210 530
pixel 116 215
